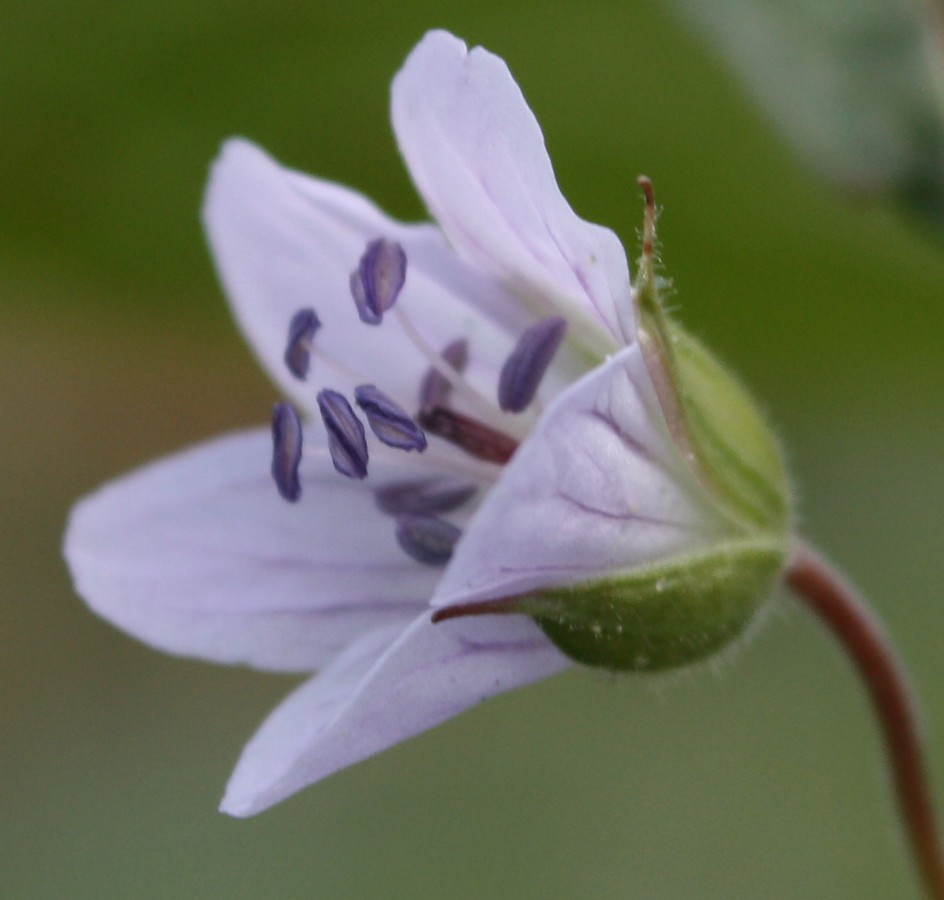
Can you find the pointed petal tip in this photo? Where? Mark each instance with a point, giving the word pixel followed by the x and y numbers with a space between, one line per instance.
pixel 72 539
pixel 234 152
pixel 240 806
pixel 235 148
pixel 233 808
pixel 438 40
pixel 385 688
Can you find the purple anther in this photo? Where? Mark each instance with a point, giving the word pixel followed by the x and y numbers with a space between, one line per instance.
pixel 377 281
pixel 427 539
pixel 301 333
pixel 523 370
pixel 347 443
pixel 427 496
pixel 286 450
pixel 435 388
pixel 389 421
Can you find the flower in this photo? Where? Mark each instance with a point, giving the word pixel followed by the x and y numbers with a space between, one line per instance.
pixel 558 471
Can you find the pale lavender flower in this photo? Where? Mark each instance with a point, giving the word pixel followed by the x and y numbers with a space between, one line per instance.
pixel 198 554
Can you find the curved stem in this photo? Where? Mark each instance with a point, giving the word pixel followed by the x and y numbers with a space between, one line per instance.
pixel 857 629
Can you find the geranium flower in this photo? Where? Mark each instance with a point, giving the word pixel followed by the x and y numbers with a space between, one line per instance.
pixel 524 455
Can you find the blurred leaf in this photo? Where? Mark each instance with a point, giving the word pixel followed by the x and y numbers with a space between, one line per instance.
pixel 857 86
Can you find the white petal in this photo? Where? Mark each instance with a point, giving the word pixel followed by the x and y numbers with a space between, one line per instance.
pixel 354 709
pixel 477 156
pixel 597 489
pixel 197 554
pixel 283 241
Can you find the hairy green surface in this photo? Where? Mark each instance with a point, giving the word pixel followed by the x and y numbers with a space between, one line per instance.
pixel 735 446
pixel 662 616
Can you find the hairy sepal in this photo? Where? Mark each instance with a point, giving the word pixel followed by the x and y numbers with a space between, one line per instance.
pixel 670 614
pixel 735 447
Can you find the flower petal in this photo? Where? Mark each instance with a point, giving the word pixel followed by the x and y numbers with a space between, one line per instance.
pixel 197 554
pixel 597 489
pixel 283 242
pixel 377 694
pixel 477 155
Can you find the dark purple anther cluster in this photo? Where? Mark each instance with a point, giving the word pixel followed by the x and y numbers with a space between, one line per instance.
pixel 416 506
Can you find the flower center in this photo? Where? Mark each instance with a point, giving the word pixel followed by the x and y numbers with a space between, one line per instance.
pixel 417 506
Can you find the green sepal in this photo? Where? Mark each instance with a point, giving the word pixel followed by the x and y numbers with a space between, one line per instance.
pixel 735 447
pixel 714 423
pixel 660 616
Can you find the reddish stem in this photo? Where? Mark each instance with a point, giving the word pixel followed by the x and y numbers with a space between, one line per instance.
pixel 857 629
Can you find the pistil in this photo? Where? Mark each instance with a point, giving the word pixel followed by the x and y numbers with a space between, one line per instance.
pixel 476 438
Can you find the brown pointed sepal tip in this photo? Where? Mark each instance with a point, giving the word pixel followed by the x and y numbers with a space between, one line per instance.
pixel 502 606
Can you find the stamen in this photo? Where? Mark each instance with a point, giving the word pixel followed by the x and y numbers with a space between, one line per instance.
pixel 523 370
pixel 286 450
pixel 428 496
pixel 427 539
pixel 347 442
pixel 434 388
pixel 484 408
pixel 301 333
pixel 378 280
pixel 390 422
pixel 471 435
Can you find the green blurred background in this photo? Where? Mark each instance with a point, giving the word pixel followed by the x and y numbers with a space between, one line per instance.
pixel 762 780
